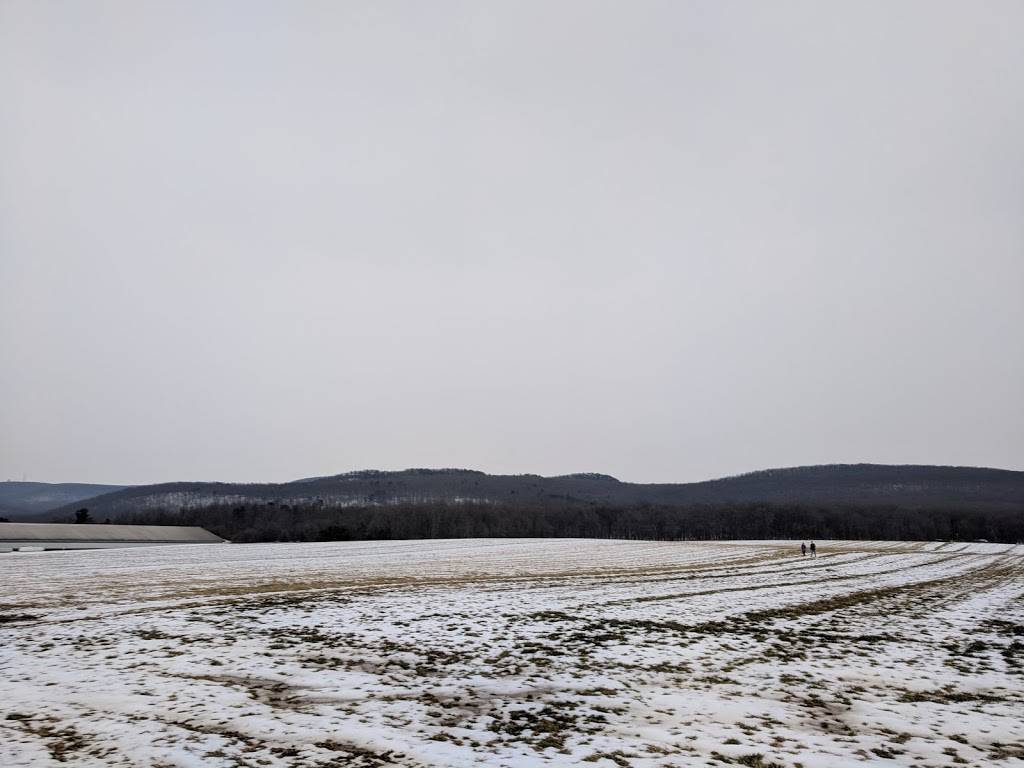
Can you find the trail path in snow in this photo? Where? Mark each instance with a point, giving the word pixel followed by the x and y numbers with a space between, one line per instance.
pixel 514 653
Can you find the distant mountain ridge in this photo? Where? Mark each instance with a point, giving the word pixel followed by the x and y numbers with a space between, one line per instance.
pixel 21 500
pixel 904 486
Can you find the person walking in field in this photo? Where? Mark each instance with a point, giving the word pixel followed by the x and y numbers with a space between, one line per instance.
pixel 814 550
pixel 803 549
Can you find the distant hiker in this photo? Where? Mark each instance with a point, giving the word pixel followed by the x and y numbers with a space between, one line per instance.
pixel 803 549
pixel 814 550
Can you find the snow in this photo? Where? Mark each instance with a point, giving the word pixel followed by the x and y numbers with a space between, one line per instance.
pixel 514 653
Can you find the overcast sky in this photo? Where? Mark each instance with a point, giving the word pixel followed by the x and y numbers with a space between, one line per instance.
pixel 666 241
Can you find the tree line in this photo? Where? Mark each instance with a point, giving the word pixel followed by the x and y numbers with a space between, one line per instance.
pixel 272 521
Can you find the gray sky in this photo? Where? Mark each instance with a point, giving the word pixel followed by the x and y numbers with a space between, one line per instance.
pixel 668 241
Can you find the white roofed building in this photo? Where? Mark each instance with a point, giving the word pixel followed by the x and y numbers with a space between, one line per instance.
pixel 35 536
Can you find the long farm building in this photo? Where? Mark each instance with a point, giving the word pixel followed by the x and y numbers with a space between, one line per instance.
pixel 37 536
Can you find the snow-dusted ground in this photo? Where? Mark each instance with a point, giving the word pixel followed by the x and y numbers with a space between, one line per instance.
pixel 514 652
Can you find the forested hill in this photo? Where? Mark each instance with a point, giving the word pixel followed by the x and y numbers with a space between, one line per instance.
pixel 908 487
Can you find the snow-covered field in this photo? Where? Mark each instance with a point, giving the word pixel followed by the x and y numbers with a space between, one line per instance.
pixel 514 653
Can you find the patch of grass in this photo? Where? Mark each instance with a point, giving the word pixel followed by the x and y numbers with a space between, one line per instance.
pixel 887 754
pixel 1006 751
pixel 155 634
pixel 718 680
pixel 946 696
pixel 360 755
pixel 1004 628
pixel 7 618
pixel 618 757
pixel 547 727
pixel 756 760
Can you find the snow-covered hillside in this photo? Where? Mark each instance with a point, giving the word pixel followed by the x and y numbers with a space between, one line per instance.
pixel 514 653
